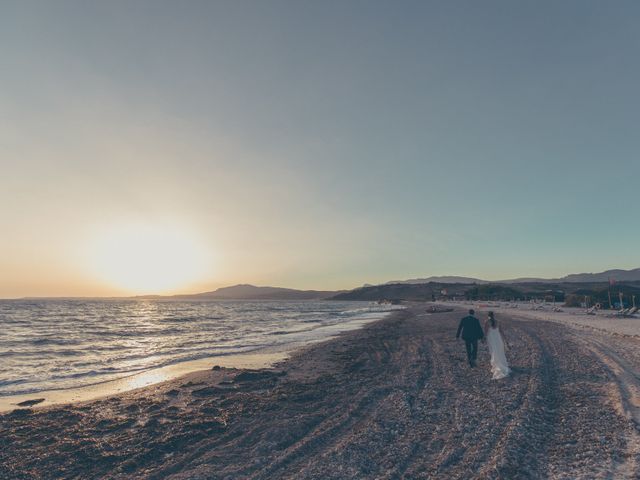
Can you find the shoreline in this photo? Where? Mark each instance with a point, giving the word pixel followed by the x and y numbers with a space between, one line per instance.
pixel 141 380
pixel 394 399
pixel 261 358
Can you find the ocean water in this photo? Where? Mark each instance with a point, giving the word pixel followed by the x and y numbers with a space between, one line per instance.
pixel 67 343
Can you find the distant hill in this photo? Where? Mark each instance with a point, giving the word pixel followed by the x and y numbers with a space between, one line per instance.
pixel 618 275
pixel 552 291
pixel 251 292
pixel 398 291
pixel 448 279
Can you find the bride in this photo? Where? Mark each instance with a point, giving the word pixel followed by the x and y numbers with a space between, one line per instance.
pixel 494 335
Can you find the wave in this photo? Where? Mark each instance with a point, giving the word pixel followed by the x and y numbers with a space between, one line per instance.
pixel 53 341
pixel 64 344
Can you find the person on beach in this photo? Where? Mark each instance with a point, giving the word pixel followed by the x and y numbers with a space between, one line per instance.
pixel 494 334
pixel 471 332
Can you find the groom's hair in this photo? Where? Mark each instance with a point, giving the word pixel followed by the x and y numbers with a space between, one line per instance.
pixel 471 311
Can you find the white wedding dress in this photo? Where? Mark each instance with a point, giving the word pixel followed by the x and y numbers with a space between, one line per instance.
pixel 499 366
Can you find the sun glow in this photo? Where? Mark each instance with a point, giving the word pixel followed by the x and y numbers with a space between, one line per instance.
pixel 148 259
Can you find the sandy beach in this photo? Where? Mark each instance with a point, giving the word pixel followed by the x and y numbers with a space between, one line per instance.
pixel 394 399
pixel 263 359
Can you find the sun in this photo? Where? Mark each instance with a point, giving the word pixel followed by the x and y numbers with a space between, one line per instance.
pixel 148 259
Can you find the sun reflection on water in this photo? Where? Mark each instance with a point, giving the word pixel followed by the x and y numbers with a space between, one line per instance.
pixel 145 379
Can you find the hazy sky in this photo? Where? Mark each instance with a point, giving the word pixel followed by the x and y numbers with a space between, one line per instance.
pixel 317 144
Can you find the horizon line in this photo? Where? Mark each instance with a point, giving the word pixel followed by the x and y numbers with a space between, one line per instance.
pixel 148 295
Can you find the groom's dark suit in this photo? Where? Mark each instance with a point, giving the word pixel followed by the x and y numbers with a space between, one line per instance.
pixel 471 333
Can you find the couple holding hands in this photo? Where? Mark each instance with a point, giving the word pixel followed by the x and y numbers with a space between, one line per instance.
pixel 471 332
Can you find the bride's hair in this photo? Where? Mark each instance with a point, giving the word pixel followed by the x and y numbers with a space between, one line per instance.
pixel 492 320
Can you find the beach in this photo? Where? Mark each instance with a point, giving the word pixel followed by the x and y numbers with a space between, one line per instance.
pixel 64 350
pixel 606 321
pixel 394 399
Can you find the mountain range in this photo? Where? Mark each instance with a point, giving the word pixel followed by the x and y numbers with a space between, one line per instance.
pixel 252 292
pixel 617 274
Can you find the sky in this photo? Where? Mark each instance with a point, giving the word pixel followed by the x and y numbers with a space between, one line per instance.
pixel 314 144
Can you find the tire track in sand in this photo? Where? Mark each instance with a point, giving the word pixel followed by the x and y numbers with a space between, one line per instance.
pixel 624 392
pixel 394 400
pixel 405 372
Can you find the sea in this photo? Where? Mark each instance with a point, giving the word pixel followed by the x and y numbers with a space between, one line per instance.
pixel 50 344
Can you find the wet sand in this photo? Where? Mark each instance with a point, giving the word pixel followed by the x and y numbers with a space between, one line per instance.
pixel 392 400
pixel 264 359
pixel 260 358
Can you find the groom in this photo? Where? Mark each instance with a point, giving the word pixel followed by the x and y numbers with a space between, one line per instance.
pixel 471 333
